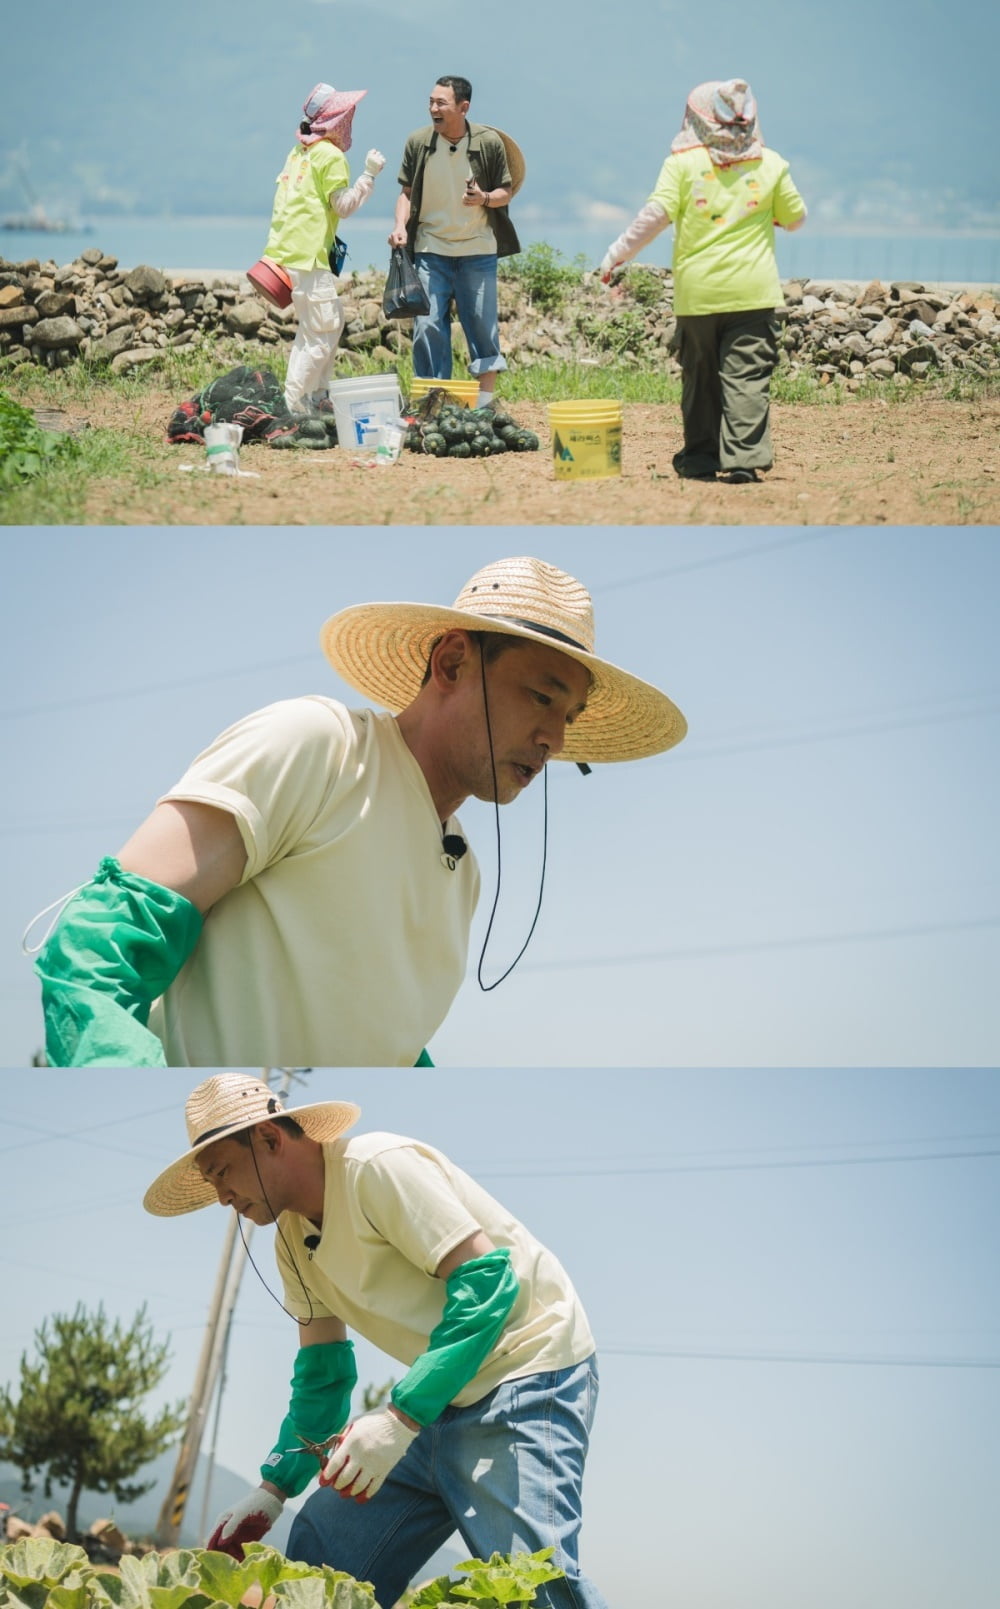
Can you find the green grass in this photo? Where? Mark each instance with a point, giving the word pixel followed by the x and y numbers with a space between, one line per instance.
pixel 59 497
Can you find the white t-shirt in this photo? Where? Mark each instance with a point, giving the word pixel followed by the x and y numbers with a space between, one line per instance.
pixel 393 1209
pixel 446 225
pixel 346 940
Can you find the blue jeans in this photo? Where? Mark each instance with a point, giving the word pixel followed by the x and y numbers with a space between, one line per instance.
pixel 507 1473
pixel 473 283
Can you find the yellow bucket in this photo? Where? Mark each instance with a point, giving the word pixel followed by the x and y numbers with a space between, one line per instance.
pixel 586 439
pixel 459 390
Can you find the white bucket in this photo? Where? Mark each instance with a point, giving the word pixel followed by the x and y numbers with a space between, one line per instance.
pixel 362 405
pixel 222 448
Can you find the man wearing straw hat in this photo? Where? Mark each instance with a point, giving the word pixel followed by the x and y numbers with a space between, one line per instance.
pixel 457 181
pixel 487 1431
pixel 303 895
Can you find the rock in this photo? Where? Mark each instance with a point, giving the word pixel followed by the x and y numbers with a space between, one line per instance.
pixel 135 358
pixel 18 1529
pixel 145 284
pixel 882 368
pixel 245 318
pixel 881 332
pixel 108 1534
pixel 922 353
pixel 11 296
pixel 54 1525
pixel 50 333
pixel 15 318
pixel 52 304
pixel 108 346
pixel 874 293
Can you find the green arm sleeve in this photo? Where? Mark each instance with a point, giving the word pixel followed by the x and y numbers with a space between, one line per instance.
pixel 320 1406
pixel 119 943
pixel 480 1295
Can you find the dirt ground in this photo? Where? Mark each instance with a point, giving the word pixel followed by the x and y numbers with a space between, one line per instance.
pixel 926 461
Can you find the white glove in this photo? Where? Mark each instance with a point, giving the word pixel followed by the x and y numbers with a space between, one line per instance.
pixel 365 1453
pixel 247 1521
pixel 609 262
pixel 374 162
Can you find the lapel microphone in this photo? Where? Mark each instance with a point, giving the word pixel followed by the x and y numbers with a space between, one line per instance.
pixel 453 847
pixel 311 1242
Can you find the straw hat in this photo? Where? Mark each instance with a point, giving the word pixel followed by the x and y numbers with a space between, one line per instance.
pixel 381 650
pixel 220 1107
pixel 515 158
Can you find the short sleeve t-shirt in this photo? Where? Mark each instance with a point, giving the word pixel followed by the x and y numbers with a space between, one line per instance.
pixel 393 1209
pixel 303 222
pixel 447 225
pixel 724 221
pixel 346 940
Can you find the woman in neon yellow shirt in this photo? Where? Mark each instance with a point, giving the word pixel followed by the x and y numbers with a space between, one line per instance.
pixel 314 192
pixel 725 192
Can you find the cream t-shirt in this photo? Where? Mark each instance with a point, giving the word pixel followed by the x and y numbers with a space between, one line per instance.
pixel 392 1210
pixel 446 225
pixel 346 940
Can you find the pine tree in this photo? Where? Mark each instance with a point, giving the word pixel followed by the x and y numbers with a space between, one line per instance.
pixel 78 1415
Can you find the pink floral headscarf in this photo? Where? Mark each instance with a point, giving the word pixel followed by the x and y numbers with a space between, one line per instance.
pixel 329 113
pixel 721 116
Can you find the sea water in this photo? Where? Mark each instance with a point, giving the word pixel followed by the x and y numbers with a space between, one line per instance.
pixel 957 257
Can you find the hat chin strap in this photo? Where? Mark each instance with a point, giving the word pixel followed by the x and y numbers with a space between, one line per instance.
pixel 487 987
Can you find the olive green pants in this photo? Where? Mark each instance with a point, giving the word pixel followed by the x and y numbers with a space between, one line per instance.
pixel 727 360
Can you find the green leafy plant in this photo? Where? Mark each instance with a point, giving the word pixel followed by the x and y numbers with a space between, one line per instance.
pixel 44 1574
pixel 645 286
pixel 25 449
pixel 491 1582
pixel 624 332
pixel 545 274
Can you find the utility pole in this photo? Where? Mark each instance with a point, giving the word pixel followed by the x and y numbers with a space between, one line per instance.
pixel 213 1349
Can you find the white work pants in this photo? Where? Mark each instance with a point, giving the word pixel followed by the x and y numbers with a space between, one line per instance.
pixel 321 321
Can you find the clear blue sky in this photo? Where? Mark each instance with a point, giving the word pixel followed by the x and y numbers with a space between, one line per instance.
pixel 791 1277
pixel 809 879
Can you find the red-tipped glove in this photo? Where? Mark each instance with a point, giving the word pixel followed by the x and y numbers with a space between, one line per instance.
pixel 246 1521
pixel 609 262
pixel 365 1453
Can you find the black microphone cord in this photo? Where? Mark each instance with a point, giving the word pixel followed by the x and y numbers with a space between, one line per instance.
pixel 486 987
pixel 301 1322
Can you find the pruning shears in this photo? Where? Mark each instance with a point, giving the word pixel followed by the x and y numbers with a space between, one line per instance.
pixel 319 1449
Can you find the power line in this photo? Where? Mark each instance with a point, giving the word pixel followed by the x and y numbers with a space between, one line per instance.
pixel 630 1170
pixel 703 749
pixel 731 557
pixel 706 952
pixel 74 1134
pixel 713 1355
pixel 864 727
pixel 151 688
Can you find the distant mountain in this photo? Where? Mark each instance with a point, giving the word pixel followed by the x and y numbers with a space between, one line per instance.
pixel 168 111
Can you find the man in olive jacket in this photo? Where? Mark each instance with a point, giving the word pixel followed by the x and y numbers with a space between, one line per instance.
pixel 452 217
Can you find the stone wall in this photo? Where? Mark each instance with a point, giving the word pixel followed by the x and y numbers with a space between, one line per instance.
pixel 90 309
